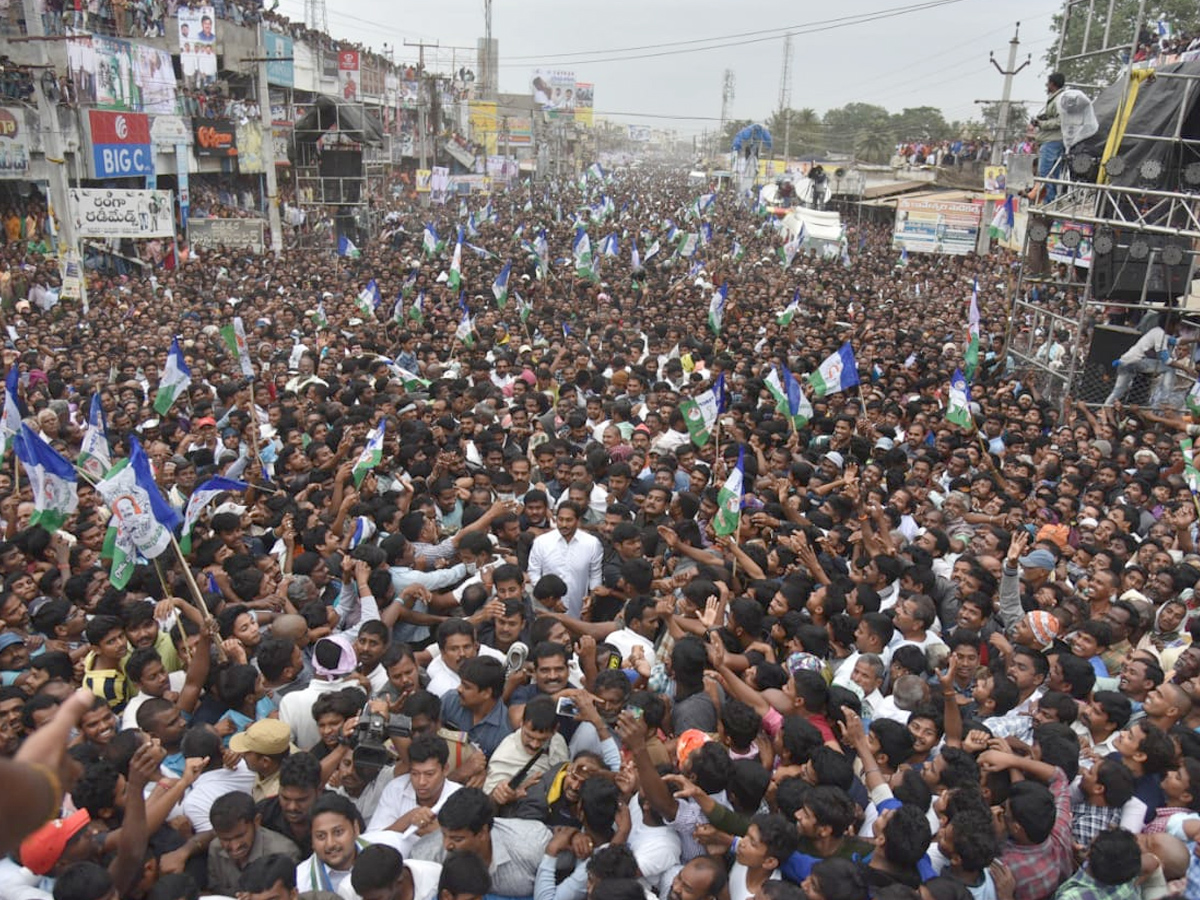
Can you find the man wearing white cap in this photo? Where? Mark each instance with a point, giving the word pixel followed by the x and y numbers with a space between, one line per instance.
pixel 333 662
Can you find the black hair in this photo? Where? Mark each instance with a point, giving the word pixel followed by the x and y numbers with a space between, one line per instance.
pixel 778 834
pixel 467 809
pixel 1118 781
pixel 337 805
pixel 1115 857
pixel 895 741
pixel 425 747
pixel 841 879
pixel 300 770
pixel 1033 809
pixel 485 673
pixel 1116 707
pixel 599 800
pixel 974 839
pixel 376 867
pixel 264 873
pixel 83 881
pixel 906 837
pixel 831 806
pixel 741 723
pixel 464 873
pixel 230 809
pixel 711 767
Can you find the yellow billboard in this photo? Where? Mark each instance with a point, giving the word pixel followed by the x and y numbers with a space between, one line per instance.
pixel 484 126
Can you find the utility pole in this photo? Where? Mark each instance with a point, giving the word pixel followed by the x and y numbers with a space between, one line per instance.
pixel 55 156
pixel 984 242
pixel 264 109
pixel 785 97
pixel 421 88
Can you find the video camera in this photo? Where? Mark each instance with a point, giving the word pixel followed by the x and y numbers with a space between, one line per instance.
pixel 372 735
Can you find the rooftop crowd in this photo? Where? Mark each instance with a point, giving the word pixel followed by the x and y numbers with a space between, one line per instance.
pixel 516 657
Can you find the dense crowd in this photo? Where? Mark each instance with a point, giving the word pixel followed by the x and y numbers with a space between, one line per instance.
pixel 479 614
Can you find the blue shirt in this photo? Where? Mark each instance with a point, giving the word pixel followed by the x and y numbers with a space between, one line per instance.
pixel 485 734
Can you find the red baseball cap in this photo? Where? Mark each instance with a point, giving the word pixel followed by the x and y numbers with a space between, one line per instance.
pixel 42 850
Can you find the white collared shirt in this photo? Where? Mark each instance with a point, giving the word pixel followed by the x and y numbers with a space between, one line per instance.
pixel 577 563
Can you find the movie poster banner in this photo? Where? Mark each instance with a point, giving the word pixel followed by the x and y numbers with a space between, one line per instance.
pixel 554 91
pixel 115 74
pixel 14 143
pixel 932 226
pixel 198 44
pixel 104 213
pixel 349 74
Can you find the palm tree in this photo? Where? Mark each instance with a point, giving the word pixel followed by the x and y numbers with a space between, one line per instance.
pixel 874 146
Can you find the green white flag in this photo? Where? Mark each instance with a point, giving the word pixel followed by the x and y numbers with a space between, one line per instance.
pixel 958 409
pixel 52 478
pixel 176 377
pixel 371 455
pixel 235 339
pixel 456 263
pixel 784 319
pixel 729 499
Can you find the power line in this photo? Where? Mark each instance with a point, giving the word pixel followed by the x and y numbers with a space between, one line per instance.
pixel 841 23
pixel 777 31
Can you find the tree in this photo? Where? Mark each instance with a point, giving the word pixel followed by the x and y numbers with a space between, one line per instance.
pixel 920 123
pixel 1018 118
pixel 732 127
pixel 874 146
pixel 1098 71
pixel 797 130
pixel 845 124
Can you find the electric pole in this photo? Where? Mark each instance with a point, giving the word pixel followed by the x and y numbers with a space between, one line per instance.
pixel 984 242
pixel 264 109
pixel 55 155
pixel 785 96
pixel 421 88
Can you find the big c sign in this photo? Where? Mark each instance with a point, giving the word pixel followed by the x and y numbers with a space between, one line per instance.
pixel 215 137
pixel 121 146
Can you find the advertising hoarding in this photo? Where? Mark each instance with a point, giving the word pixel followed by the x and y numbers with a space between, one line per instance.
pixel 121 145
pixel 933 226
pixel 198 43
pixel 105 213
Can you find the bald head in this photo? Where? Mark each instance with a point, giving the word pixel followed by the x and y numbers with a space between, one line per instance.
pixel 291 627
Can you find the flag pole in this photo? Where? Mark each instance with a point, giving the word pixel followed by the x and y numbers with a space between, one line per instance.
pixel 191 579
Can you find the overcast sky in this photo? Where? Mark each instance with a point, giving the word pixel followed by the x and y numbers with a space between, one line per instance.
pixel 933 57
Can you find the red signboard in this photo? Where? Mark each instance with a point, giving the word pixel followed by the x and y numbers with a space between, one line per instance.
pixel 119 127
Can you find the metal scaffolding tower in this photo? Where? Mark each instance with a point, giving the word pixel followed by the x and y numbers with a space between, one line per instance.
pixel 1115 250
pixel 785 96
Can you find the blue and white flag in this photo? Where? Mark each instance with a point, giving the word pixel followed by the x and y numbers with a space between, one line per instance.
pixel 144 520
pixel 95 455
pixel 175 379
pixel 836 373
pixel 608 246
pixel 200 499
pixel 52 478
pixel 634 259
pixel 500 285
pixel 368 299
pixel 346 247
pixel 10 422
pixel 716 308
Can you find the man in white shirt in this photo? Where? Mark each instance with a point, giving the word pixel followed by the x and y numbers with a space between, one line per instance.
pixel 1149 354
pixel 337 845
pixel 409 804
pixel 333 661
pixel 575 556
pixel 380 869
pixel 456 643
pixel 213 782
